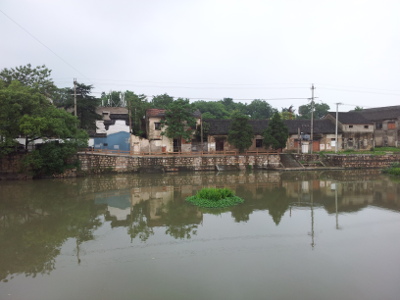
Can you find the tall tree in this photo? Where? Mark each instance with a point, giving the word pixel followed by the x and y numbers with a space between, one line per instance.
pixel 211 109
pixel 241 132
pixel 179 120
pixel 276 134
pixel 86 104
pixel 137 104
pixel 259 109
pixel 34 77
pixel 162 101
pixel 288 113
pixel 320 110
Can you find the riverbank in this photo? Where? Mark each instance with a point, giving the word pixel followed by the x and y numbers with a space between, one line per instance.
pixel 98 163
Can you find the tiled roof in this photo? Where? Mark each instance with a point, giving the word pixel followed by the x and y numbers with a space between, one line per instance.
pixel 221 127
pixel 381 113
pixel 155 112
pixel 351 117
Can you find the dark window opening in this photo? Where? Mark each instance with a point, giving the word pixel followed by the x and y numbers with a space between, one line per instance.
pixel 259 143
pixel 157 125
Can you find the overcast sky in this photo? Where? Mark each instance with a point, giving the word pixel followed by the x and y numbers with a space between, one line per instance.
pixel 212 49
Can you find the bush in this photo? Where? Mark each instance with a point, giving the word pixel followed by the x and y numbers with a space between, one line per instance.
pixel 394 169
pixel 51 158
pixel 213 198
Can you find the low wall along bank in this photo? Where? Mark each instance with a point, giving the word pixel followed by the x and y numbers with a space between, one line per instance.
pixel 99 163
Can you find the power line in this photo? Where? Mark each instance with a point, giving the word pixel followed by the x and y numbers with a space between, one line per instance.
pixel 44 45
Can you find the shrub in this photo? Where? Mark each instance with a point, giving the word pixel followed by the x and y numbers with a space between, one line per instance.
pixel 213 198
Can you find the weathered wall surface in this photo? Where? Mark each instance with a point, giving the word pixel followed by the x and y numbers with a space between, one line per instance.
pixel 11 167
pixel 356 161
pixel 98 163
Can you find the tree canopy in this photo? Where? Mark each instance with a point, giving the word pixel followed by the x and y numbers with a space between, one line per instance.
pixel 179 120
pixel 320 110
pixel 34 77
pixel 276 134
pixel 241 133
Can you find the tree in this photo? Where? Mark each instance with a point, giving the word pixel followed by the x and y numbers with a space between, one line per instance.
pixel 320 110
pixel 16 101
pixel 37 78
pixel 179 120
pixel 259 109
pixel 358 108
pixel 137 104
pixel 276 134
pixel 85 103
pixel 241 132
pixel 211 109
pixel 288 113
pixel 162 101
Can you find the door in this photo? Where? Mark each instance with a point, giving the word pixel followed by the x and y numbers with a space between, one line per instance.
pixel 177 145
pixel 219 144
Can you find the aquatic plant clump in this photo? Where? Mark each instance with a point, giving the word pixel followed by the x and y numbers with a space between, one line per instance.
pixel 394 169
pixel 215 198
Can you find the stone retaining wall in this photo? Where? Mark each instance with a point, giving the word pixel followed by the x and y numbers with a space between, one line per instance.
pixel 101 163
pixel 359 161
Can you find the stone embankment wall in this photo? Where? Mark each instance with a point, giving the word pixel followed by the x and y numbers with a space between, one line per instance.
pixel 11 167
pixel 355 161
pixel 100 163
pixel 360 161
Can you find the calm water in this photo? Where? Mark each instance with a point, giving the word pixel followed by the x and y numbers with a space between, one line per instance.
pixel 299 235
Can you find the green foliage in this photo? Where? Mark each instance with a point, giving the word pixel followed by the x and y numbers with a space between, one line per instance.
pixel 215 198
pixel 85 103
pixel 276 134
pixel 259 110
pixel 137 105
pixel 211 109
pixel 37 78
pixel 241 132
pixel 394 169
pixel 51 158
pixel 320 110
pixel 162 101
pixel 180 120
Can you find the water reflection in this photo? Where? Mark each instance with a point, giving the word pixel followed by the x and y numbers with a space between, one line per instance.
pixel 37 218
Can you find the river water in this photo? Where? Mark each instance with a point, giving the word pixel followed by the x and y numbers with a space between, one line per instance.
pixel 299 235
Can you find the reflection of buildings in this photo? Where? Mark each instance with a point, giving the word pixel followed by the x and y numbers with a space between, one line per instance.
pixel 149 206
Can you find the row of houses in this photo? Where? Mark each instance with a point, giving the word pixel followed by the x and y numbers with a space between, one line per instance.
pixel 358 130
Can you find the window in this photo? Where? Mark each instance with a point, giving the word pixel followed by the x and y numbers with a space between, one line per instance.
pixel 350 126
pixel 259 143
pixel 366 126
pixel 391 125
pixel 157 125
pixel 378 125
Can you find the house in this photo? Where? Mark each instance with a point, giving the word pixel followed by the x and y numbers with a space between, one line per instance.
pixel 299 135
pixel 386 121
pixel 157 141
pixel 112 131
pixel 324 135
pixel 357 131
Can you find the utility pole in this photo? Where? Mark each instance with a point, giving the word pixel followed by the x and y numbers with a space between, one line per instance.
pixel 312 118
pixel 336 127
pixel 75 109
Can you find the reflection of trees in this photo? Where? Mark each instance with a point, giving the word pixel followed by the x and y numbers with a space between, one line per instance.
pixel 36 224
pixel 181 220
pixel 138 226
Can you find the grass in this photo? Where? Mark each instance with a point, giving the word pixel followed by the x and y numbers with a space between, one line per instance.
pixel 394 169
pixel 215 198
